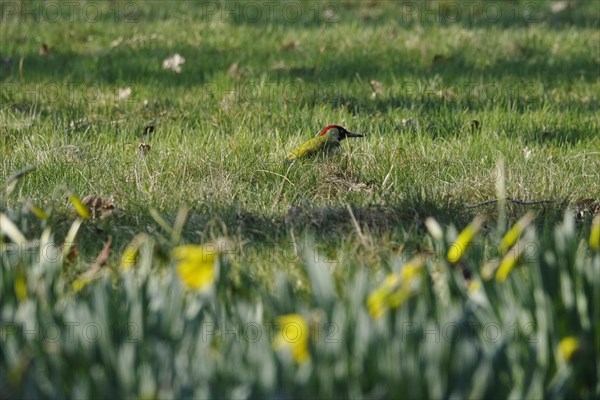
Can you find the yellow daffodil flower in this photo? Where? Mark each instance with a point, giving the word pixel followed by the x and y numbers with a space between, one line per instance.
pixel 396 288
pixel 293 336
pixel 474 286
pixel 82 209
pixel 81 282
pixel 464 239
pixel 129 257
pixel 567 347
pixel 377 302
pixel 37 211
pixel 508 263
pixel 20 287
pixel 132 250
pixel 595 234
pixel 513 234
pixel 196 265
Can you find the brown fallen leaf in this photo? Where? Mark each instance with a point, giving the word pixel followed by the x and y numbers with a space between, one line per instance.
pixel 72 254
pixel 291 45
pixel 585 206
pixel 100 206
pixel 44 50
pixel 144 148
pixel 438 59
pixel 377 88
pixel 234 71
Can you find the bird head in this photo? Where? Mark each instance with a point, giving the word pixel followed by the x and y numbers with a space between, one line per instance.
pixel 337 133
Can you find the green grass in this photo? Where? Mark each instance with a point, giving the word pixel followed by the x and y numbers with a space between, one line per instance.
pixel 529 77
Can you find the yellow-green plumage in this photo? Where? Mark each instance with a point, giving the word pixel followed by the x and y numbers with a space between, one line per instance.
pixel 327 140
pixel 314 146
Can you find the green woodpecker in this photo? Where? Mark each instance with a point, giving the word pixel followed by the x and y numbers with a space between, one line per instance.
pixel 327 140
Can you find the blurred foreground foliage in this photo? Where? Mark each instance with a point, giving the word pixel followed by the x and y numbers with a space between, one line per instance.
pixel 505 312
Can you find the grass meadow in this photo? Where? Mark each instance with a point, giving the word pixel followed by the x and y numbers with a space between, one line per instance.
pixel 156 244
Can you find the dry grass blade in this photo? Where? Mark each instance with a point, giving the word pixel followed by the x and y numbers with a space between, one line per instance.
pixel 359 232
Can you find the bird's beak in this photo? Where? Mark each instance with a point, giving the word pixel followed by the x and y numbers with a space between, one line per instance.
pixel 350 134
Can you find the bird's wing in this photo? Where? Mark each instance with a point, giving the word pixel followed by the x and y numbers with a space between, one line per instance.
pixel 307 148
